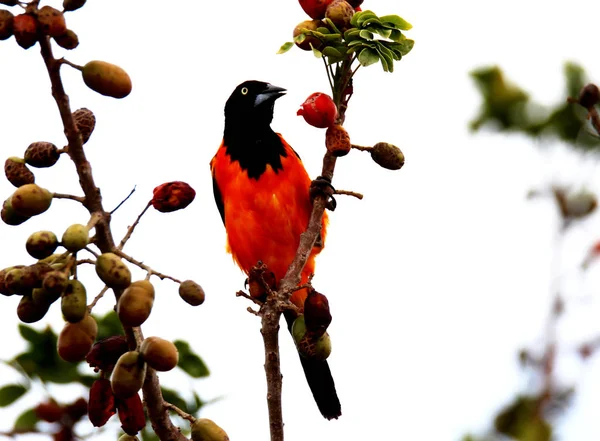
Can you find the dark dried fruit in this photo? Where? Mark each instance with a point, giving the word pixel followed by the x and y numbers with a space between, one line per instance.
pixel 74 301
pixel 128 375
pixel 31 200
pixel 317 316
pixel 69 40
pixel 101 403
pixel 17 172
pixel 55 282
pixel 172 196
pixel 106 352
pixel 41 244
pixel 204 429
pixel 160 354
pixel 85 121
pixel 589 96
pixel 106 79
pixel 41 154
pixel 112 271
pixel 49 411
pixel 6 24
pixel 135 304
pixel 309 40
pixel 51 21
pixel 30 311
pixel 25 30
pixel 337 141
pixel 131 414
pixel 77 409
pixel 10 216
pixel 256 286
pixel 72 5
pixel 9 2
pixel 191 292
pixel 355 3
pixel 387 156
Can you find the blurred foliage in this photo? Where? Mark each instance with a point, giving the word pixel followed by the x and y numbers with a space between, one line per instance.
pixel 40 362
pixel 507 107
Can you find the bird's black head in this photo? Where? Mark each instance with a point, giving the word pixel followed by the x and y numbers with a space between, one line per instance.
pixel 251 105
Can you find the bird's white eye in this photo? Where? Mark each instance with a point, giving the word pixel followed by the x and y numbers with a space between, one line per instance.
pixel 244 91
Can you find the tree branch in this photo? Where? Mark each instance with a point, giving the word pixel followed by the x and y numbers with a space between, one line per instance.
pixel 158 414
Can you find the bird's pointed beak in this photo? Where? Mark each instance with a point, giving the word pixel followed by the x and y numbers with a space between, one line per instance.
pixel 270 93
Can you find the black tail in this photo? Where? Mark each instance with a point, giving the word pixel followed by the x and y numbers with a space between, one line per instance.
pixel 320 381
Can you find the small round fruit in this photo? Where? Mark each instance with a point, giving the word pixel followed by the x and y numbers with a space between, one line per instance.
pixel 41 244
pixel 308 345
pixel 72 5
pixel 340 12
pixel 51 21
pixel 85 121
pixel 41 154
pixel 25 30
pixel 17 172
pixel 69 40
pixel 112 271
pixel 128 375
pixel 315 8
pixel 74 301
pixel 76 339
pixel 319 110
pixel 31 200
pixel 75 238
pixel 106 79
pixel 204 429
pixel 308 25
pixel 6 24
pixel 387 156
pixel 337 141
pixel 55 282
pixel 10 216
pixel 160 354
pixel 4 288
pixel 191 292
pixel 135 304
pixel 30 311
pixel 49 411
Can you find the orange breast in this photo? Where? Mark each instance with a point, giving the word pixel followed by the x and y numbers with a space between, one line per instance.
pixel 264 217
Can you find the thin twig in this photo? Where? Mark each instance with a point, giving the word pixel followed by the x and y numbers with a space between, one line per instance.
pixel 181 413
pixel 79 199
pixel 132 227
pixel 90 261
pixel 349 193
pixel 123 201
pixel 361 148
pixel 249 297
pixel 143 266
pixel 97 298
pixel 73 65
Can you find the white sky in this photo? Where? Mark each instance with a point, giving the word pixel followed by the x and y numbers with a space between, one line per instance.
pixel 435 279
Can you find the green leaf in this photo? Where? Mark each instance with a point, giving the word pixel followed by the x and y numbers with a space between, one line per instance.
pixel 330 51
pixel 26 422
pixel 384 32
pixel 299 38
pixel 31 335
pixel 189 361
pixel 365 17
pixel 285 47
pixel 366 34
pixel 368 56
pixel 387 58
pixel 397 21
pixel 351 34
pixel 332 25
pixel 316 52
pixel 11 393
pixel 323 30
pixel 395 35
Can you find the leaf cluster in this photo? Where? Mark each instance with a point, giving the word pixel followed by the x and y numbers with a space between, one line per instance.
pixel 369 38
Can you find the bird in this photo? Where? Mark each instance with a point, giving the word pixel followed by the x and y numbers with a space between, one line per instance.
pixel 261 190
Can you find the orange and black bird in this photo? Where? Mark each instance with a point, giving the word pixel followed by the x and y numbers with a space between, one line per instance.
pixel 262 192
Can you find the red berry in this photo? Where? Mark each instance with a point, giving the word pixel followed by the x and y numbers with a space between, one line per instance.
pixel 315 8
pixel 25 30
pixel 172 196
pixel 319 110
